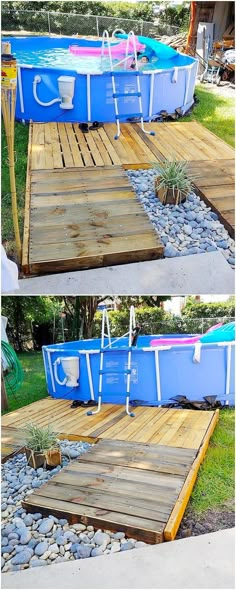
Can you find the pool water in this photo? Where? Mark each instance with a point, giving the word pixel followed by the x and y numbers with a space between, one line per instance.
pixel 63 58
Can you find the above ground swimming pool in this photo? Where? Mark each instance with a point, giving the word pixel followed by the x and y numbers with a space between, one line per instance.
pixel 157 374
pixel 48 71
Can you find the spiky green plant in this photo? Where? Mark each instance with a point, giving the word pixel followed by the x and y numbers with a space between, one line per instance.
pixel 40 439
pixel 173 175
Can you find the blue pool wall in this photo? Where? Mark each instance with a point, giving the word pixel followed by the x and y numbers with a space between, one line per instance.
pixel 167 94
pixel 179 375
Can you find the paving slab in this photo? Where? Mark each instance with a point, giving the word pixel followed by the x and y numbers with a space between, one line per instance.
pixel 206 561
pixel 206 273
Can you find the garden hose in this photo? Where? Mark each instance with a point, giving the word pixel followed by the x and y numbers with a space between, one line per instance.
pixel 12 369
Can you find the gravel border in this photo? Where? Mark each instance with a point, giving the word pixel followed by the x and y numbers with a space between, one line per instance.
pixel 31 540
pixel 189 228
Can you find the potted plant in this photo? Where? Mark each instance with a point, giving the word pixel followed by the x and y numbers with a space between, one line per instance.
pixel 42 446
pixel 173 183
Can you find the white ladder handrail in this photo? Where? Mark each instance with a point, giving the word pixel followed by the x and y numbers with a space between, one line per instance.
pixel 130 36
pixel 105 36
pixel 105 324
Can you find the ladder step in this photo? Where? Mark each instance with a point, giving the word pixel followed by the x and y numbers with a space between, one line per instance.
pixel 119 350
pixel 125 73
pixel 121 94
pixel 115 371
pixel 129 115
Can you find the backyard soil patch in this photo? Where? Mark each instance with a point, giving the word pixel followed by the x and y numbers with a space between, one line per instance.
pixel 210 521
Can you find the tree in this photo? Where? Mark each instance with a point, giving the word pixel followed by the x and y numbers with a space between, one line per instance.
pixel 22 312
pixel 80 312
pixel 177 16
pixel 142 301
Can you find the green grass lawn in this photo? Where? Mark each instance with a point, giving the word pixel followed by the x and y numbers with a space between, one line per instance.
pixel 215 483
pixel 21 150
pixel 34 383
pixel 213 111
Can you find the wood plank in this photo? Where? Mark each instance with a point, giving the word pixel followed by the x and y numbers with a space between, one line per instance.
pixel 85 153
pixel 26 232
pixel 102 500
pixel 56 148
pixel 104 154
pixel 49 162
pixel 106 487
pixel 114 156
pixel 137 527
pixel 66 151
pixel 12 442
pixel 97 157
pixel 176 516
pixel 76 155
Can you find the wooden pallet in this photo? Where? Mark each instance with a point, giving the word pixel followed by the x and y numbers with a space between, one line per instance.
pixel 12 441
pixel 165 426
pixel 216 186
pixel 118 486
pixel 80 209
pixel 85 218
pixel 63 145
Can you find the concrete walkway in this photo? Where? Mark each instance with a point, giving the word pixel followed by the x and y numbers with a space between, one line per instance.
pixel 206 561
pixel 202 274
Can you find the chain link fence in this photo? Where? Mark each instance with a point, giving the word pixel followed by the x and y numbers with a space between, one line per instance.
pixel 61 23
pixel 119 324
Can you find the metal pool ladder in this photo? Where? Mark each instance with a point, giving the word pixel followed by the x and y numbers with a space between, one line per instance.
pixel 116 95
pixel 108 348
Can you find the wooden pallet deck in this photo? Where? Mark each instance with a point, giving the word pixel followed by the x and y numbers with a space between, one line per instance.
pixel 63 145
pixel 118 486
pixel 86 218
pixel 12 442
pixel 139 476
pixel 80 209
pixel 216 186
pixel 165 426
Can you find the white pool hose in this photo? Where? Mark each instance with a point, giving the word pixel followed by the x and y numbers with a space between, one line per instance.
pixel 36 81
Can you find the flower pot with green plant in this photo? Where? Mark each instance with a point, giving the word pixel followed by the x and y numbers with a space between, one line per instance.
pixel 42 446
pixel 173 182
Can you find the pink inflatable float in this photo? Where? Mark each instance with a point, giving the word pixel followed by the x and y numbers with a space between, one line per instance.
pixel 116 48
pixel 173 341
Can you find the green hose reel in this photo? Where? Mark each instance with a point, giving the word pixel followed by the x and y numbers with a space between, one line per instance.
pixel 12 369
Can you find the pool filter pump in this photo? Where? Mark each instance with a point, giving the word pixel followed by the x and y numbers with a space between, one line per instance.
pixel 66 85
pixel 70 366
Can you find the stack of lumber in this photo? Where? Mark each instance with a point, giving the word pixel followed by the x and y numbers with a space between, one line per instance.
pixel 178 42
pixel 228 39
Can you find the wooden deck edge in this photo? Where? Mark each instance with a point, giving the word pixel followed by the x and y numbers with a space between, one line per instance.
pixel 210 204
pixel 98 520
pixel 215 136
pixel 26 232
pixel 139 166
pixel 89 439
pixel 18 450
pixel 176 516
pixel 114 259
